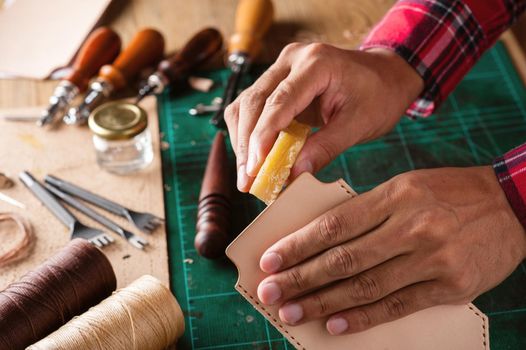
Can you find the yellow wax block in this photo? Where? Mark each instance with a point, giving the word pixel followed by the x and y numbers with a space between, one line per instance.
pixel 276 169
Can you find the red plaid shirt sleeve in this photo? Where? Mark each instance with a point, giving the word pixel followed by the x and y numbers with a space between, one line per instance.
pixel 442 40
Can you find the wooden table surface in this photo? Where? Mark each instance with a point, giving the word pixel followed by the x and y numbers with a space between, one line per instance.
pixel 67 152
pixel 341 22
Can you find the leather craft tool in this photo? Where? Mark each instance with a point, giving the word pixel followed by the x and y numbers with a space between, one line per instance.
pixel 76 228
pixel 442 327
pixel 253 19
pixel 22 114
pixel 9 200
pixel 175 69
pixel 134 240
pixel 145 222
pixel 145 49
pixel 65 285
pixel 100 48
pixel 214 213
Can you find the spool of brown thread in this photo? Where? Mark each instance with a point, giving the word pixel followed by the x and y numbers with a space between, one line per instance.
pixel 67 284
pixel 214 219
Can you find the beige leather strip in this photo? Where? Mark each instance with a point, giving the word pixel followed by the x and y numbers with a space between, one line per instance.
pixel 442 327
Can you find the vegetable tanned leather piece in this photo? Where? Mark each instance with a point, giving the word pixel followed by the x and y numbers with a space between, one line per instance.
pixel 452 327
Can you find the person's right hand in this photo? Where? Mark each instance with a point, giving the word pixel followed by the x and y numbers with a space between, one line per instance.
pixel 354 96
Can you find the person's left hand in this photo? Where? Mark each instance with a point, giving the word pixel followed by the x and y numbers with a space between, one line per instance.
pixel 424 238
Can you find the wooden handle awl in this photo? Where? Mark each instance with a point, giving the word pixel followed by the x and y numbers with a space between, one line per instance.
pixel 100 48
pixel 145 49
pixel 214 219
pixel 253 19
pixel 199 49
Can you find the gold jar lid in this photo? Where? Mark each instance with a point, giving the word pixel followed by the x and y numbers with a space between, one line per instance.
pixel 118 120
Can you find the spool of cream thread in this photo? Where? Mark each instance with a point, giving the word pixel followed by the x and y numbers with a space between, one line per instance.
pixel 143 316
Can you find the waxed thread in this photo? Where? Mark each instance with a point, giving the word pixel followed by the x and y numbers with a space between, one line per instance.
pixel 23 245
pixel 65 285
pixel 142 316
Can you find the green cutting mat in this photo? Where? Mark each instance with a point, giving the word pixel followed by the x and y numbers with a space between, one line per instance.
pixel 484 117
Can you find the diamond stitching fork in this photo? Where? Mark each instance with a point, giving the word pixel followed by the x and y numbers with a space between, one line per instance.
pixel 134 240
pixel 76 228
pixel 145 222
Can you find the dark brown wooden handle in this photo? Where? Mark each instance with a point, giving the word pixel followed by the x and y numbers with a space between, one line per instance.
pixel 199 49
pixel 214 213
pixel 100 48
pixel 145 49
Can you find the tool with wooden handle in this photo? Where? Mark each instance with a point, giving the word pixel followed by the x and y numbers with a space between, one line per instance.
pixel 100 48
pixel 253 19
pixel 145 49
pixel 200 48
pixel 214 213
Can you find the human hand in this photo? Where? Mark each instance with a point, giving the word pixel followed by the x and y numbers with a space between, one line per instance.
pixel 424 238
pixel 353 96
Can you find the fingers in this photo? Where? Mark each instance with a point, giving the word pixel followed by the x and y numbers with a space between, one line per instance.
pixel 341 224
pixel 362 289
pixel 293 95
pixel 250 107
pixel 241 115
pixel 394 306
pixel 338 263
pixel 320 149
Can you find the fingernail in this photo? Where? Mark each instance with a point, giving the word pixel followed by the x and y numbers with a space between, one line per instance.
pixel 242 178
pixel 337 325
pixel 269 293
pixel 291 313
pixel 252 163
pixel 271 262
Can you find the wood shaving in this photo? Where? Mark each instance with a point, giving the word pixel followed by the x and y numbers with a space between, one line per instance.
pixel 200 84
pixel 5 182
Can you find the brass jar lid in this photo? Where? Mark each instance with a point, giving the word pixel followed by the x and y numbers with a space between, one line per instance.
pixel 118 120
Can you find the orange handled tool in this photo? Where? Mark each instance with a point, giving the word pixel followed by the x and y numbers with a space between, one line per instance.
pixel 100 48
pixel 145 49
pixel 199 49
pixel 253 19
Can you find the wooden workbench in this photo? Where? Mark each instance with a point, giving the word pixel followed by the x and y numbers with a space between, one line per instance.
pixel 339 22
pixel 67 152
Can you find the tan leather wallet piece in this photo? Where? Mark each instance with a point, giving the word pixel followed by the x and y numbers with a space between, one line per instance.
pixel 442 327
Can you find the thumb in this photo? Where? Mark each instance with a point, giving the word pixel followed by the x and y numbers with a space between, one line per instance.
pixel 319 150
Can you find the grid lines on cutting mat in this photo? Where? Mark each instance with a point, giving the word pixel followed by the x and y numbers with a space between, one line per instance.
pixel 484 117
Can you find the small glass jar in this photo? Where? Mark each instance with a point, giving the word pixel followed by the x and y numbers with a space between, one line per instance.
pixel 122 141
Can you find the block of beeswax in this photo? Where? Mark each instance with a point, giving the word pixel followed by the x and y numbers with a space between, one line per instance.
pixel 276 168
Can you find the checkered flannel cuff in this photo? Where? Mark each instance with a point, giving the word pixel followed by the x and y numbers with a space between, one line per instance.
pixel 511 173
pixel 440 39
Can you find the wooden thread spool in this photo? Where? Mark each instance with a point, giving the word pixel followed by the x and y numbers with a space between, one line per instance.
pixel 214 219
pixel 65 285
pixel 144 315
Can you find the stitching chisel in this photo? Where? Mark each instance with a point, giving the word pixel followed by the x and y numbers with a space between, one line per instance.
pixel 145 49
pixel 100 48
pixel 199 49
pixel 253 19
